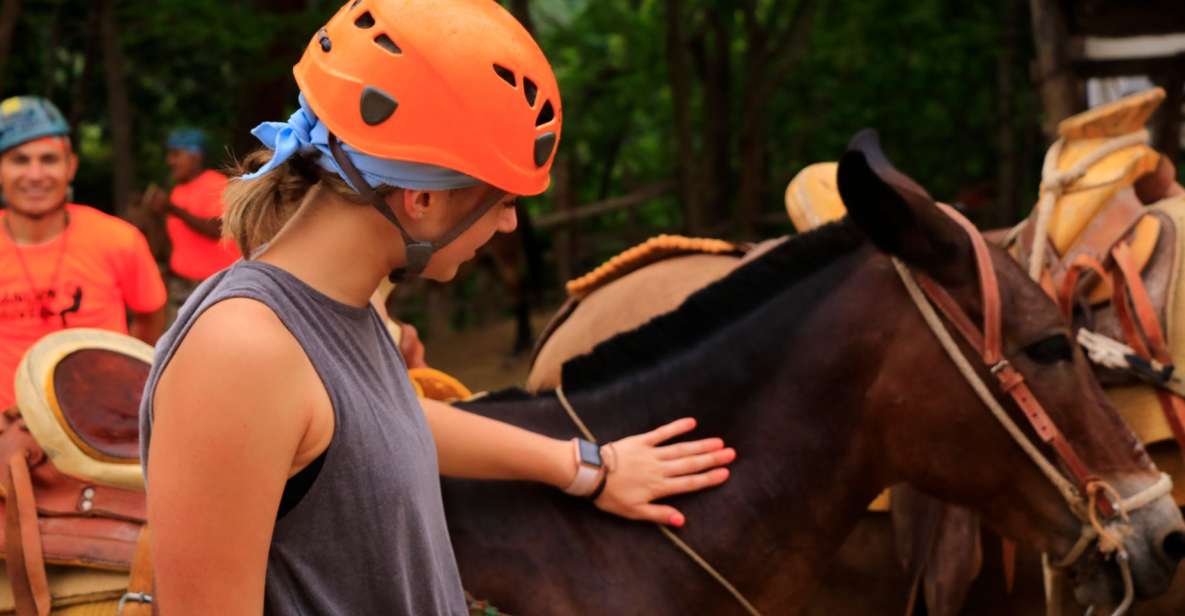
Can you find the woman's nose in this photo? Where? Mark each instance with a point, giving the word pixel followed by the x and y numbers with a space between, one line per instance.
pixel 508 222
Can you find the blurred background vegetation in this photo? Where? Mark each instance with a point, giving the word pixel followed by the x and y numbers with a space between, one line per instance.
pixel 697 111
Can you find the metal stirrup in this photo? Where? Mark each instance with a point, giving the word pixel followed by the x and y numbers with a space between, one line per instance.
pixel 133 597
pixel 419 252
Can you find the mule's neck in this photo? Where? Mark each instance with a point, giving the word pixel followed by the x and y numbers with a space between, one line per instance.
pixel 786 386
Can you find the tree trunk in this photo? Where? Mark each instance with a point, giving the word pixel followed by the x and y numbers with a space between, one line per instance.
pixel 119 107
pixel 768 60
pixel 678 72
pixel 717 177
pixel 565 200
pixel 1006 210
pixel 1061 92
pixel 49 65
pixel 521 9
pixel 751 187
pixel 90 58
pixel 270 94
pixel 10 13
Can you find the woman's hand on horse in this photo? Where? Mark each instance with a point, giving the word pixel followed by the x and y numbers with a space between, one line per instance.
pixel 642 470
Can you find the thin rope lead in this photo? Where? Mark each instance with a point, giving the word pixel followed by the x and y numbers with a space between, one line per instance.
pixel 668 533
pixel 1067 490
pixel 559 393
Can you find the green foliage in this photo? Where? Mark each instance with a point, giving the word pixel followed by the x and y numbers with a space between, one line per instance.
pixel 923 72
pixel 926 73
pixel 188 62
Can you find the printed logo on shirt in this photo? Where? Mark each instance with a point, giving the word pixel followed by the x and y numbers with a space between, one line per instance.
pixel 42 305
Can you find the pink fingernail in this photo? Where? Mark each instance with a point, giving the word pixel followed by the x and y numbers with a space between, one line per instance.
pixel 677 520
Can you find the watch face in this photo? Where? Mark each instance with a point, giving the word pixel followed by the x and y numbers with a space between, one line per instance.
pixel 590 453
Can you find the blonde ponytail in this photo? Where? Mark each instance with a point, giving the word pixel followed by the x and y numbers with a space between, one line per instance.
pixel 257 209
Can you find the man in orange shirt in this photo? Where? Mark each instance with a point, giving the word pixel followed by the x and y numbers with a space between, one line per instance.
pixel 194 209
pixel 62 264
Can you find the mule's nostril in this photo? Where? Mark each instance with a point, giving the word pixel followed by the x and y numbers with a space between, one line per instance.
pixel 1174 546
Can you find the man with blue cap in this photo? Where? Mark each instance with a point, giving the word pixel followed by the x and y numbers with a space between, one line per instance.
pixel 62 264
pixel 194 210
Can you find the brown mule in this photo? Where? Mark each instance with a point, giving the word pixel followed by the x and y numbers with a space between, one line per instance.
pixel 953 552
pixel 867 560
pixel 813 362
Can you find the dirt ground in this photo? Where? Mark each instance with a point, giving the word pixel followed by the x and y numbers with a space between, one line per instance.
pixel 480 357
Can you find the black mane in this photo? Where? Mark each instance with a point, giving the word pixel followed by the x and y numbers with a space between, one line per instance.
pixel 714 307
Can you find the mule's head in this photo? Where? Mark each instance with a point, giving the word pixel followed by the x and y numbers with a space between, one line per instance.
pixel 940 436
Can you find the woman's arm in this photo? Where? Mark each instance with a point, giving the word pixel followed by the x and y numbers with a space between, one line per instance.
pixel 476 447
pixel 231 412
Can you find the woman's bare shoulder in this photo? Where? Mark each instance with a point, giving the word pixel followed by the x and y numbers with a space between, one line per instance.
pixel 237 332
pixel 237 354
pixel 230 413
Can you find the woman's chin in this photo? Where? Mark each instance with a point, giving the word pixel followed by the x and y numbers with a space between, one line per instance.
pixel 444 275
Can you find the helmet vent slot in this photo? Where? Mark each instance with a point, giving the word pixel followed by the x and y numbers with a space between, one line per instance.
pixel 354 4
pixel 365 20
pixel 377 106
pixel 531 90
pixel 546 114
pixel 544 146
pixel 506 74
pixel 323 40
pixel 385 42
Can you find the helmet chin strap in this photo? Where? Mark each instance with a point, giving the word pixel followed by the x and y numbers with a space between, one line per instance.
pixel 419 252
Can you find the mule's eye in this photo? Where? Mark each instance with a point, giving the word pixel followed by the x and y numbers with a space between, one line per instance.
pixel 1051 350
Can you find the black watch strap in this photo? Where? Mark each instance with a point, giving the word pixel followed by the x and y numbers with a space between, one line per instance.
pixel 600 486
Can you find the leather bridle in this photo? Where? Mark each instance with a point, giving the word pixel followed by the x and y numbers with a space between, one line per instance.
pixel 1103 512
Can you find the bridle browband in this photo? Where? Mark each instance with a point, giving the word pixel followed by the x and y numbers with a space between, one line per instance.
pixel 419 252
pixel 1087 495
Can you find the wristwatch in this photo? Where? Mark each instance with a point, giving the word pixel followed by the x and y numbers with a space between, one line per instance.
pixel 590 469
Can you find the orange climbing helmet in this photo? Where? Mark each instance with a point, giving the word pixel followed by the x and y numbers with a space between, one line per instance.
pixel 459 84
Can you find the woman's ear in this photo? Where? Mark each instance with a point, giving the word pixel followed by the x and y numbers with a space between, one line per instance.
pixel 415 203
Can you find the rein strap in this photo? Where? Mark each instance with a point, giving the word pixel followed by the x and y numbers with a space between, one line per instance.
pixel 989 346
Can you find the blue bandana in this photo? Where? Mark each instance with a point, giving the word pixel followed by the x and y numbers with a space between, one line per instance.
pixel 303 133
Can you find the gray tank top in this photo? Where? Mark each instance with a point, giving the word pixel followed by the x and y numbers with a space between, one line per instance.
pixel 369 535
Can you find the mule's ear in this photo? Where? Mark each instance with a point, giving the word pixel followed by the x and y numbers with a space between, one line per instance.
pixel 899 216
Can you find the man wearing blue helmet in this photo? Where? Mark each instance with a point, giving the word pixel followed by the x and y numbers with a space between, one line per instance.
pixel 62 264
pixel 194 215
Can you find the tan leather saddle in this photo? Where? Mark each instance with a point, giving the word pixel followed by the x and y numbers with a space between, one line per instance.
pixel 69 455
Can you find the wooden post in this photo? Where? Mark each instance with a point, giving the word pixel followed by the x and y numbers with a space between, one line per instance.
pixel 1061 92
pixel 1167 129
